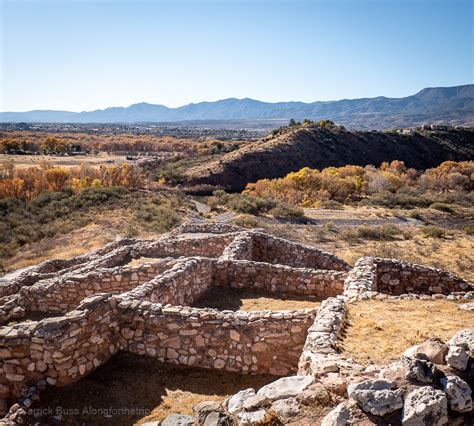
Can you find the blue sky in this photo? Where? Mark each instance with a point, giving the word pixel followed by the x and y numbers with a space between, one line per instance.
pixel 83 54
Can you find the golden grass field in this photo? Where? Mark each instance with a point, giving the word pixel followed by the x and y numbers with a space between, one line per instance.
pixel 379 331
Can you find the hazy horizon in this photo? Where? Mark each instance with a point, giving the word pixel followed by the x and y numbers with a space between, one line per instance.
pixel 85 55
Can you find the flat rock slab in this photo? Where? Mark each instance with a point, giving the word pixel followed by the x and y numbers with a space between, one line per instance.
pixel 285 387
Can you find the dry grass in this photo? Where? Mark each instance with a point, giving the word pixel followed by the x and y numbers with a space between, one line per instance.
pixel 232 299
pixel 22 161
pixel 380 331
pixel 136 382
pixel 454 254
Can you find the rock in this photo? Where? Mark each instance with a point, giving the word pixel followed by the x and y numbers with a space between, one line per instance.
pixel 394 372
pixel 252 418
pixel 339 416
pixel 467 306
pixel 286 407
pixel 419 370
pixel 256 401
pixel 464 336
pixel 411 351
pixel 235 403
pixel 425 406
pixel 458 356
pixel 315 394
pixel 458 392
pixel 334 383
pixel 434 350
pixel 285 387
pixel 178 420
pixel 203 409
pixel 378 397
pixel 217 419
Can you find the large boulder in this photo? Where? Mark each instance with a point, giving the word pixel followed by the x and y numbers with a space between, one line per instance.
pixel 339 416
pixel 425 406
pixel 285 387
pixel 434 350
pixel 377 397
pixel 458 392
pixel 458 356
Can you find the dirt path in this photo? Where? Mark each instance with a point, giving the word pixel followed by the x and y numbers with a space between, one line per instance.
pixel 349 218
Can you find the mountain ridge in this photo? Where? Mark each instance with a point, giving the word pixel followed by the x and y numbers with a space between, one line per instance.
pixel 452 105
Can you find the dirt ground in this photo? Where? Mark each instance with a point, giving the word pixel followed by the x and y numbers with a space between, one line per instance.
pixel 130 382
pixel 224 298
pixel 380 331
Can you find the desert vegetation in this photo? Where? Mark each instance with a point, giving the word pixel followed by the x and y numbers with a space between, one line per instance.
pixel 390 185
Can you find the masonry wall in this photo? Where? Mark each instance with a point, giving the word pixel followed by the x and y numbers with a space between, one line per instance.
pixel 198 245
pixel 60 350
pixel 66 293
pixel 243 342
pixel 280 279
pixel 267 248
pixel 397 277
pixel 183 284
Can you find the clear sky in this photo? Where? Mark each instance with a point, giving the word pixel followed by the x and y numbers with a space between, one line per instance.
pixel 86 54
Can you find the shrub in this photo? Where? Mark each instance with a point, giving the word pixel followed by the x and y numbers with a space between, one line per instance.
pixel 331 205
pixel 433 232
pixel 469 230
pixel 285 211
pixel 442 207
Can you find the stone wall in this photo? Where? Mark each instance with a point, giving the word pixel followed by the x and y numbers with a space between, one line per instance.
pixel 60 350
pixel 185 245
pixel 396 277
pixel 267 248
pixel 255 342
pixel 321 353
pixel 244 274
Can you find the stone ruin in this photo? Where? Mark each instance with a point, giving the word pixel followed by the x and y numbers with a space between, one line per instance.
pixel 62 319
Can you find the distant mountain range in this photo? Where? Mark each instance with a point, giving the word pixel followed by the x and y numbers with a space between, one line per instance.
pixel 450 105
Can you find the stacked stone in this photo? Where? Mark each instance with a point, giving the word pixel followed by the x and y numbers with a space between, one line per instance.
pixel 270 249
pixel 245 342
pixel 371 276
pixel 205 228
pixel 362 278
pixel 183 284
pixel 320 352
pixel 244 274
pixel 186 245
pixel 399 277
pixel 240 248
pixel 59 350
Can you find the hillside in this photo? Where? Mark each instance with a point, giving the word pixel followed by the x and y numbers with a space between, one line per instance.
pixel 452 105
pixel 321 147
